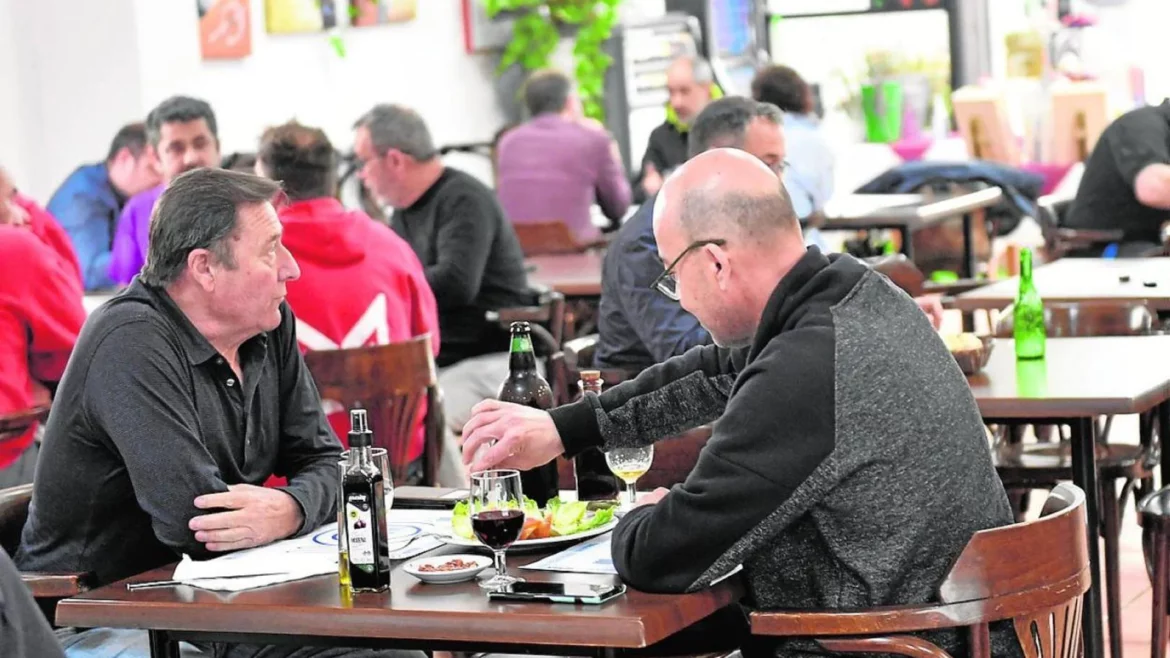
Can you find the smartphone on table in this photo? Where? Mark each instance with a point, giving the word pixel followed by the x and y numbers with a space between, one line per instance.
pixel 585 593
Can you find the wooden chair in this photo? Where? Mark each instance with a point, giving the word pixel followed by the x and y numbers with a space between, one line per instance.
pixel 1059 240
pixel 391 382
pixel 1042 465
pixel 1154 516
pixel 551 237
pixel 46 588
pixel 1034 573
pixel 16 423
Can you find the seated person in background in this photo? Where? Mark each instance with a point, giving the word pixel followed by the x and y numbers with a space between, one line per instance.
pixel 24 633
pixel 808 176
pixel 360 283
pixel 639 327
pixel 557 163
pixel 691 84
pixel 848 465
pixel 40 317
pixel 182 135
pixel 90 200
pixel 1126 184
pixel 21 210
pixel 187 393
pixel 468 249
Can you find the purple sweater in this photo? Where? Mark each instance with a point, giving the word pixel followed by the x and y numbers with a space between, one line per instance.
pixel 128 254
pixel 551 168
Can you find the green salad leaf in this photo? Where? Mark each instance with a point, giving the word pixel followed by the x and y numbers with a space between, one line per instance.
pixel 566 518
pixel 461 520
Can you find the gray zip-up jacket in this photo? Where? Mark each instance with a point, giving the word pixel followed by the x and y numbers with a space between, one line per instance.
pixel 848 466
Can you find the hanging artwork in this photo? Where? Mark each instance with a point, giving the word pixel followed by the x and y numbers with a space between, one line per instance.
pixel 363 13
pixel 289 16
pixel 225 29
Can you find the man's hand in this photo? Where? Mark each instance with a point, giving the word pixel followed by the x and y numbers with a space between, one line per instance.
pixel 931 305
pixel 651 498
pixel 255 516
pixel 524 437
pixel 651 180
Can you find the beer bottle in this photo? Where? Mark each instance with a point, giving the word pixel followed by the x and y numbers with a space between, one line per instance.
pixel 525 386
pixel 363 502
pixel 594 479
pixel 1028 314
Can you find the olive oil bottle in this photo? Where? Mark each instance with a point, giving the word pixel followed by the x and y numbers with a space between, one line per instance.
pixel 363 511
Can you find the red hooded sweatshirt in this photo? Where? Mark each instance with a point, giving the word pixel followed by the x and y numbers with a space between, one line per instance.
pixel 360 285
pixel 40 317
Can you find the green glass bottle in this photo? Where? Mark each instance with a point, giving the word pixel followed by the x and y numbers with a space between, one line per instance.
pixel 1028 313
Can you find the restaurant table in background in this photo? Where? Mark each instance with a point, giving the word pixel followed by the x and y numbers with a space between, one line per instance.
pixel 1082 280
pixel 1078 380
pixel 572 275
pixel 412 615
pixel 909 213
pixel 92 301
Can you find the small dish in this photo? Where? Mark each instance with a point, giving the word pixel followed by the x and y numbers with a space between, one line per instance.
pixel 427 569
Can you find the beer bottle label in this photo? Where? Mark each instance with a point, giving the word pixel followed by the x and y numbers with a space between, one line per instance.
pixel 521 343
pixel 360 530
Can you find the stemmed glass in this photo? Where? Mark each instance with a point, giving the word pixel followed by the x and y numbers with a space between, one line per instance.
pixel 497 517
pixel 629 464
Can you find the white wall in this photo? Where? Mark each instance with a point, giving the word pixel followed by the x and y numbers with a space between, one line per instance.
pixel 421 63
pixel 11 144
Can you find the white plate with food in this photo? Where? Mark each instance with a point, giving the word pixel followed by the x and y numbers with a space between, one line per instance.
pixel 558 524
pixel 441 569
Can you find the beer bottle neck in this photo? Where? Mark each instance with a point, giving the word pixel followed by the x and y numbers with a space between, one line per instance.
pixel 1026 266
pixel 522 357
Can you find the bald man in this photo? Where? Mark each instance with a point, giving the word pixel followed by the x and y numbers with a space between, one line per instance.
pixel 848 465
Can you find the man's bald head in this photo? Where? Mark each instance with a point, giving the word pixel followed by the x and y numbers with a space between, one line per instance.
pixel 727 191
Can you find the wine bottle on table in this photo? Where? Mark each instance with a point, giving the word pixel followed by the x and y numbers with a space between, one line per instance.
pixel 363 512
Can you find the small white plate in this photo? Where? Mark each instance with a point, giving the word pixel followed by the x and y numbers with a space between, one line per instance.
pixel 454 576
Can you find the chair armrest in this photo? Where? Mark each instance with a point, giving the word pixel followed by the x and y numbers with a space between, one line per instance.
pixel 953 288
pixel 1089 236
pixel 879 621
pixel 55 585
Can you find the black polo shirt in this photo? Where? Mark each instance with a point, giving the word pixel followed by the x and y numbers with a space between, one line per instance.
pixel 149 416
pixel 1106 198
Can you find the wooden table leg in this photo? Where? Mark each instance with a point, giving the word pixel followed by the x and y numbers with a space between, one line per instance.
pixel 161 646
pixel 1084 465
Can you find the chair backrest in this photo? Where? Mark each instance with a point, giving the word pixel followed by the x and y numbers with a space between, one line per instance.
pixel 13 513
pixel 1035 573
pixel 391 382
pixel 901 271
pixel 1078 319
pixel 543 238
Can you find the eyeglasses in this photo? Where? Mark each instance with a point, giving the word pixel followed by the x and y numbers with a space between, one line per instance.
pixel 779 167
pixel 666 283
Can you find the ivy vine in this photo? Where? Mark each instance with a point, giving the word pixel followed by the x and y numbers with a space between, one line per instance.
pixel 536 33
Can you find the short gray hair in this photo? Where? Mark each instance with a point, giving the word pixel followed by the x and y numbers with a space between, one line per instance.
pixel 199 210
pixel 179 109
pixel 547 91
pixel 701 71
pixel 399 128
pixel 724 123
pixel 704 213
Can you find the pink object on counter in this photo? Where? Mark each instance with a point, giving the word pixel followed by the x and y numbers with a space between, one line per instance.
pixel 912 149
pixel 1051 172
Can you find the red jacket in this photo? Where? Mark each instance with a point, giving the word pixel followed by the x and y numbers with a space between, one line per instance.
pixel 40 317
pixel 360 285
pixel 49 230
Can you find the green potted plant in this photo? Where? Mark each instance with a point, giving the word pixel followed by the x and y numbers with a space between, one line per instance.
pixel 537 29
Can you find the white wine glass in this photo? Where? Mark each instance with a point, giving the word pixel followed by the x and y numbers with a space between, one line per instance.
pixel 629 464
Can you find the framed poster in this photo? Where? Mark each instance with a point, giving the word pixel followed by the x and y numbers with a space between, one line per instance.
pixel 225 29
pixel 481 33
pixel 363 13
pixel 291 16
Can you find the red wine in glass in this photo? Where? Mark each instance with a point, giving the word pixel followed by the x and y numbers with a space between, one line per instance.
pixel 498 529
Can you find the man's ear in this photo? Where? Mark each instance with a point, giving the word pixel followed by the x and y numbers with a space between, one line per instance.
pixel 199 266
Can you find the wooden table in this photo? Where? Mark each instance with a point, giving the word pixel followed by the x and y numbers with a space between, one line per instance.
pixel 412 615
pixel 1082 280
pixel 910 217
pixel 572 275
pixel 1078 380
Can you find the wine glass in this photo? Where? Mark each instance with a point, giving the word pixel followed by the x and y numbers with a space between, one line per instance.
pixel 497 517
pixel 629 464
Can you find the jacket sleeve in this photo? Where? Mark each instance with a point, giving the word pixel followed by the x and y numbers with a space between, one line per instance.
pixel 612 189
pixel 53 311
pixel 124 255
pixel 463 245
pixel 667 399
pixel 1136 141
pixel 662 324
pixel 308 449
pixel 768 461
pixel 88 225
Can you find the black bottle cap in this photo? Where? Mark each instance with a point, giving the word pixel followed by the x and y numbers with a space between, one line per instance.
pixel 360 435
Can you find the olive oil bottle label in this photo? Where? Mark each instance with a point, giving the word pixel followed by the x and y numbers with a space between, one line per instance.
pixel 360 531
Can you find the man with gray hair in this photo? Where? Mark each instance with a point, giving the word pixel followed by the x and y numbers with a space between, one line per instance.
pixel 186 393
pixel 848 465
pixel 468 249
pixel 182 134
pixel 691 85
pixel 555 165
